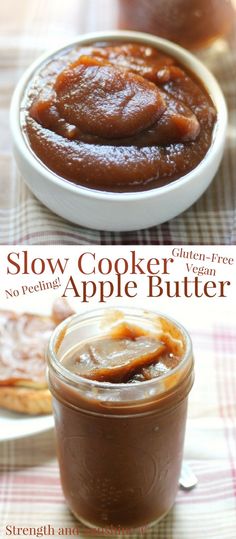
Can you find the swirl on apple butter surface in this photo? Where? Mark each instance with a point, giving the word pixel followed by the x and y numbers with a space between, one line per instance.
pixel 118 117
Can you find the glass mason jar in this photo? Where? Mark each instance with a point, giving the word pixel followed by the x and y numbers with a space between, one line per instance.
pixel 119 445
pixel 191 23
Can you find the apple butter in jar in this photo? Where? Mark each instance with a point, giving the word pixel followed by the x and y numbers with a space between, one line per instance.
pixel 120 382
pixel 190 23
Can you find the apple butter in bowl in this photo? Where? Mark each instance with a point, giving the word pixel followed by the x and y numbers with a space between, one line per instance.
pixel 119 117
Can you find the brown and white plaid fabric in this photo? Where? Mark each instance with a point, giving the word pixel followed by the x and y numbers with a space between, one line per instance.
pixel 28 28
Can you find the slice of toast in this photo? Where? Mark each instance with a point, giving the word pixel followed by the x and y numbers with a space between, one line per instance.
pixel 25 400
pixel 23 344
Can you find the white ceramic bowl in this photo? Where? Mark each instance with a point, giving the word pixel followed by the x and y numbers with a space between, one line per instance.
pixel 120 211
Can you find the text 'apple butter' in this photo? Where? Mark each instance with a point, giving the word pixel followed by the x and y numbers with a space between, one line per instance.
pixel 119 117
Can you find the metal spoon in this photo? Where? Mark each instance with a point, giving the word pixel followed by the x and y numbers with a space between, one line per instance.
pixel 188 479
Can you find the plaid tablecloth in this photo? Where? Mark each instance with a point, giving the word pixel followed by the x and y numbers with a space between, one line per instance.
pixel 27 28
pixel 30 491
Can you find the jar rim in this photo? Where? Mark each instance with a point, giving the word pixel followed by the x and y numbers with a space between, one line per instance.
pixel 76 379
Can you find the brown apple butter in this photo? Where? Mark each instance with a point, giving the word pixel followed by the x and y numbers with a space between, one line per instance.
pixel 191 23
pixel 118 117
pixel 120 382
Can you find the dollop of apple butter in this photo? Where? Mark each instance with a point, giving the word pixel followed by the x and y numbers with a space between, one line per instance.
pixel 118 117
pixel 118 104
pixel 127 354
